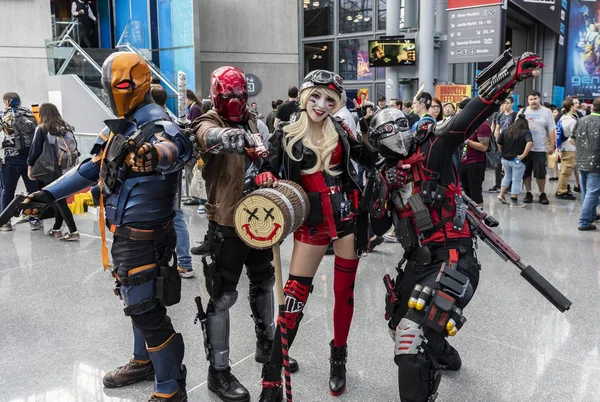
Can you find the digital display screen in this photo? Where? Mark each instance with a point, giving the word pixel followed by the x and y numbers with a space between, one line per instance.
pixel 392 53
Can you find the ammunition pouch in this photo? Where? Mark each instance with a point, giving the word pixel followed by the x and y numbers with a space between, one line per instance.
pixel 407 236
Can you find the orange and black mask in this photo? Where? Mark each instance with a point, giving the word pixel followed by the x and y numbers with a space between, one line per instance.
pixel 126 79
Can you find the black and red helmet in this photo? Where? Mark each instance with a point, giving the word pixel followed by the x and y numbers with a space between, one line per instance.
pixel 229 94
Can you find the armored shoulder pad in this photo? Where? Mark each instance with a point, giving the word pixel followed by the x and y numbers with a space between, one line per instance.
pixel 170 129
pixel 101 140
pixel 443 127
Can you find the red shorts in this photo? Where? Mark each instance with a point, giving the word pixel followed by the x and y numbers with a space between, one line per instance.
pixel 320 235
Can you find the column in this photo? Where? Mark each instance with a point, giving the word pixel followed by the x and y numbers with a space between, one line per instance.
pixel 425 44
pixel 392 27
pixel 441 28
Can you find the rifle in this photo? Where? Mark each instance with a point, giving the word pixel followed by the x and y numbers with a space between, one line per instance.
pixel 481 224
pixel 16 206
pixel 201 316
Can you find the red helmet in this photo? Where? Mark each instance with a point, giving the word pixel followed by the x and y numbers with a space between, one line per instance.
pixel 229 93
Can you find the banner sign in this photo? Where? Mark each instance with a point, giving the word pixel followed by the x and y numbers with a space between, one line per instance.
pixel 452 93
pixel 583 64
pixel 454 4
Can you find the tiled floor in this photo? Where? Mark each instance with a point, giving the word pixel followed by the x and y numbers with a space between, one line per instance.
pixel 62 328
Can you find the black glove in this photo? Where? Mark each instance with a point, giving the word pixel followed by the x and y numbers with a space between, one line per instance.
pixel 36 203
pixel 236 140
pixel 396 177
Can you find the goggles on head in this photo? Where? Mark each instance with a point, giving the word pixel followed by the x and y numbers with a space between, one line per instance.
pixel 323 78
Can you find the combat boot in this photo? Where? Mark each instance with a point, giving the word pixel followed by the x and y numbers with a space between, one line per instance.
pixel 132 372
pixel 337 370
pixel 450 360
pixel 272 391
pixel 263 351
pixel 226 386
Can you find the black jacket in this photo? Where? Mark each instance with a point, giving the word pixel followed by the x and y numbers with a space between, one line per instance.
pixel 291 169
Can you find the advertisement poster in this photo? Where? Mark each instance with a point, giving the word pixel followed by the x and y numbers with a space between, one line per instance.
pixel 390 53
pixel 583 57
pixel 452 93
pixel 363 71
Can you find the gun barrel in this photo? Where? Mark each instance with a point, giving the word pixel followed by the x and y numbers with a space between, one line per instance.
pixel 542 285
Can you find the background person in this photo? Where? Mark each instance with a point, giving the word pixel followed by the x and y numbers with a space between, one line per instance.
pixel 81 10
pixel 287 109
pixel 435 110
pixel 542 127
pixel 515 142
pixel 449 110
pixel 504 118
pixel 567 149
pixel 53 129
pixel 15 162
pixel 586 134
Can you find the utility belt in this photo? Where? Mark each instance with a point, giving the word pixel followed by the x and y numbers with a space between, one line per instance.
pixel 140 234
pixel 435 306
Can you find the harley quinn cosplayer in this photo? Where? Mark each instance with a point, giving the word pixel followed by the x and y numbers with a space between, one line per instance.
pixel 419 188
pixel 315 152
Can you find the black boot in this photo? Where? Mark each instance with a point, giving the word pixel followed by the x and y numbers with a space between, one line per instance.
pixel 450 360
pixel 272 391
pixel 226 386
pixel 337 371
pixel 128 374
pixel 263 353
pixel 179 396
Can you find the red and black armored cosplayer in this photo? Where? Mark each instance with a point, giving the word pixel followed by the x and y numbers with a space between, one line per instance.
pixel 418 191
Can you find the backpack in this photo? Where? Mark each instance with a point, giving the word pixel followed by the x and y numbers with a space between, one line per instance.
pixel 65 149
pixel 23 126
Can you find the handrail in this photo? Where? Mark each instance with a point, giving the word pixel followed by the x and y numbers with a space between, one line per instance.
pixel 86 56
pixel 154 71
pixel 70 26
pixel 123 34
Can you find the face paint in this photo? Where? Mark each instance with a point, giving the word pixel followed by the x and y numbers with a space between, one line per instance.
pixel 319 106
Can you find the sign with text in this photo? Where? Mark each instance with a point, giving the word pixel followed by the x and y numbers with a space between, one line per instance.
pixel 474 34
pixel 254 84
pixel 454 4
pixel 452 93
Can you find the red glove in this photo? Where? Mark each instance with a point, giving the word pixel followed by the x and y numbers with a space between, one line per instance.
pixel 265 179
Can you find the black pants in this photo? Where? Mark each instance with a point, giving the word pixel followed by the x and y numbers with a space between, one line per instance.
pixel 127 254
pixel 472 176
pixel 63 213
pixel 498 171
pixel 232 254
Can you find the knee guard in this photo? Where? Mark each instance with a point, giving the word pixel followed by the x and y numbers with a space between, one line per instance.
pixel 296 295
pixel 262 304
pixel 217 329
pixel 418 374
pixel 169 372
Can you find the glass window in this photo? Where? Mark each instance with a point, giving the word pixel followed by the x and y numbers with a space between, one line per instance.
pixel 318 17
pixel 354 60
pixel 318 56
pixel 381 15
pixel 356 16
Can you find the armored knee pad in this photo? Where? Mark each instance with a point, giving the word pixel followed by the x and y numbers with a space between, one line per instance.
pixel 217 329
pixel 262 304
pixel 418 374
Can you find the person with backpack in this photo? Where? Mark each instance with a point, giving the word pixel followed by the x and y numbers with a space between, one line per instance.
pixel 501 121
pixel 18 125
pixel 567 149
pixel 515 143
pixel 56 132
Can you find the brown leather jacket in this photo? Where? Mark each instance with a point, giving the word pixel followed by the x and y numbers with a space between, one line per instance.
pixel 222 172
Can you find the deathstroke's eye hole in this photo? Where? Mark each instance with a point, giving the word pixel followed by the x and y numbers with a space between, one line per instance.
pixel 125 84
pixel 269 213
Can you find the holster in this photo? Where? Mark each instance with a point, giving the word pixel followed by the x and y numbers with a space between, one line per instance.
pixel 212 275
pixel 168 282
pixel 407 236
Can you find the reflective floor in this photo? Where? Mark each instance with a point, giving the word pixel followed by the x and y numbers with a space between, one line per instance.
pixel 62 328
